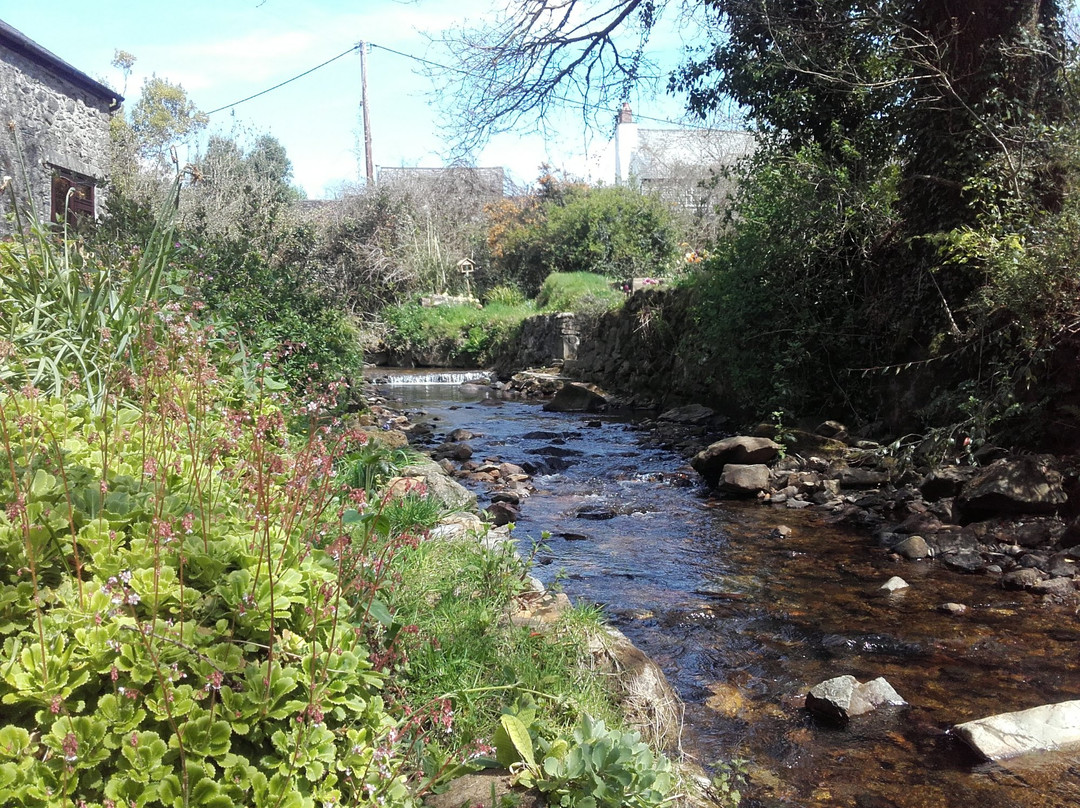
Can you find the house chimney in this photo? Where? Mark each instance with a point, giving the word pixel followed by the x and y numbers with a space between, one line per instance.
pixel 626 143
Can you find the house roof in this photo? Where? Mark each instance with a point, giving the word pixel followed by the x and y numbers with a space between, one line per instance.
pixel 661 153
pixel 19 43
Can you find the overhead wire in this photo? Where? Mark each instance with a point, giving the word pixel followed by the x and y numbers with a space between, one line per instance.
pixel 287 81
pixel 430 63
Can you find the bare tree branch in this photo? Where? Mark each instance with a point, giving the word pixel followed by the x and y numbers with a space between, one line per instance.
pixel 541 53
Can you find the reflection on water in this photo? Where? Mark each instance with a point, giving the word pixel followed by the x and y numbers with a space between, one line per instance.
pixel 743 622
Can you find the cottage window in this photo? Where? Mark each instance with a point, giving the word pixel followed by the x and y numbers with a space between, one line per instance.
pixel 72 196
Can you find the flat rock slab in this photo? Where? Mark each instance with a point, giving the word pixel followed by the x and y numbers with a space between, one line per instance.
pixel 1049 728
pixel 845 697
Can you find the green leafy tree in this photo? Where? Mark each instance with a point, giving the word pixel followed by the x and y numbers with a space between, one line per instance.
pixel 163 116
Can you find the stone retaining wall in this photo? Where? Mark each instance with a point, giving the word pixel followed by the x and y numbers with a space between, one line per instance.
pixel 637 352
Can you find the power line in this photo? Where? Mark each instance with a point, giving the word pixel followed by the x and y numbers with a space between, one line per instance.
pixel 563 98
pixel 430 63
pixel 287 81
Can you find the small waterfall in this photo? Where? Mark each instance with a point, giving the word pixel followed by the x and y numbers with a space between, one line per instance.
pixel 420 377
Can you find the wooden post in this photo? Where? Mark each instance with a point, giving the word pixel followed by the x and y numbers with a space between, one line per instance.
pixel 369 165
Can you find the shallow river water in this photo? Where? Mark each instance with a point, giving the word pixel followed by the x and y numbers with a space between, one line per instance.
pixel 744 623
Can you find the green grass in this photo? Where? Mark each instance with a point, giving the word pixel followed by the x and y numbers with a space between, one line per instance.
pixel 577 291
pixel 472 652
pixel 465 333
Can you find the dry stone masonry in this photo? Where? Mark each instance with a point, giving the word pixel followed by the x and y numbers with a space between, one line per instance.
pixel 56 126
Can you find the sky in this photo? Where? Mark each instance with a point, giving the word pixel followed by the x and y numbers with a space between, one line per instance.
pixel 222 51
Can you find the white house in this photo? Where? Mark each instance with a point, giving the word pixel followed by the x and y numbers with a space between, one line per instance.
pixel 676 163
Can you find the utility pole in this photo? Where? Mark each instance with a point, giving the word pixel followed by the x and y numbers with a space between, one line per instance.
pixel 369 165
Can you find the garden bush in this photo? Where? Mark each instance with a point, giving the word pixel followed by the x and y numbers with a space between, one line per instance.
pixel 617 231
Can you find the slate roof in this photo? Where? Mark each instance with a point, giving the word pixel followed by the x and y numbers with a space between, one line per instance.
pixel 17 42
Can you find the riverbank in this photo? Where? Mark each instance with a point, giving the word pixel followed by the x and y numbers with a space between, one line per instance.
pixel 748 607
pixel 606 659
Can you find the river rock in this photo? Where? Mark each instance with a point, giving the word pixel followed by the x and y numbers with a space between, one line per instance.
pixel 1023 578
pixel 578 397
pixel 648 700
pixel 744 480
pixel 690 415
pixel 895 584
pixel 955 609
pixel 741 450
pixel 1071 536
pixel 387 438
pixel 507 496
pixel 503 513
pixel 511 470
pixel 1055 588
pixel 452 451
pixel 912 548
pixel 485 788
pixel 1048 728
pixel 964 560
pixel 845 697
pixel 1021 485
pixel 832 429
pixel 946 481
pixel 856 477
pixel 451 494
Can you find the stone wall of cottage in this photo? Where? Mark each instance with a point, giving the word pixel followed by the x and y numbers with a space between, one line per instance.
pixel 48 122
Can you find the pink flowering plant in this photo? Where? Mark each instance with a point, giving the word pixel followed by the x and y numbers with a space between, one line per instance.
pixel 191 603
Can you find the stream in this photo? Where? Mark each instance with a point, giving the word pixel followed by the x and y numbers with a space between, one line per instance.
pixel 744 622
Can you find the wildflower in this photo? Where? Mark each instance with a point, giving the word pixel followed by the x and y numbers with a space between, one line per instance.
pixel 70 747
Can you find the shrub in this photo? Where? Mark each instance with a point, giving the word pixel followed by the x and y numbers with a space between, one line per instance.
pixel 791 300
pixel 190 611
pixel 276 311
pixel 461 335
pixel 617 231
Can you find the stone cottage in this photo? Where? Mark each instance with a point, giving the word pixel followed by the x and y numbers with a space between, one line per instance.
pixel 54 143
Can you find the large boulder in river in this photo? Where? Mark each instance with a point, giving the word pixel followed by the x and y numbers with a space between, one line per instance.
pixel 1020 485
pixel 744 480
pixel 1040 729
pixel 578 397
pixel 845 697
pixel 740 450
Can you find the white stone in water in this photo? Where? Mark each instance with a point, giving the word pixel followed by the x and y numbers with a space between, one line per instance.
pixel 895 583
pixel 1048 728
pixel 845 696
